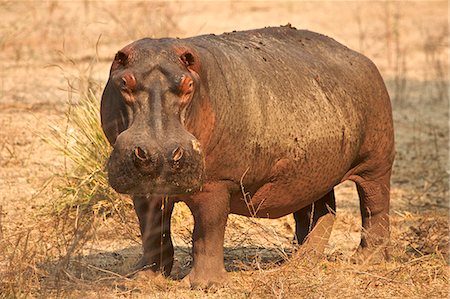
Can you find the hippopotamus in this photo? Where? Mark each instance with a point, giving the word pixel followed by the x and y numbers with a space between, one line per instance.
pixel 260 123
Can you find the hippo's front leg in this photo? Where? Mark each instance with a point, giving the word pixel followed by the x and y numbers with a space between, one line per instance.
pixel 154 223
pixel 210 209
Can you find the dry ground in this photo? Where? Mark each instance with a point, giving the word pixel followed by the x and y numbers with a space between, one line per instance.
pixel 51 52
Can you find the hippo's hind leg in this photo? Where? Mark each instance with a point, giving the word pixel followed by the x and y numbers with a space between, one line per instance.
pixel 313 224
pixel 154 222
pixel 374 200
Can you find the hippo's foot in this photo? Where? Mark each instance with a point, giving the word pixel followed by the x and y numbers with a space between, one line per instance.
pixel 306 256
pixel 197 280
pixel 370 255
pixel 142 265
pixel 142 268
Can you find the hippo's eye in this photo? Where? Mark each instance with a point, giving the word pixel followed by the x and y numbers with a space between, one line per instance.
pixel 186 85
pixel 127 84
pixel 186 89
pixel 128 81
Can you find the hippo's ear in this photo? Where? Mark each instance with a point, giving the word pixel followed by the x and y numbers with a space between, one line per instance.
pixel 113 113
pixel 191 62
pixel 188 59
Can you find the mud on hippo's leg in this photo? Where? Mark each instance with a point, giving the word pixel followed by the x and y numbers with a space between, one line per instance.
pixel 313 225
pixel 374 196
pixel 154 222
pixel 210 209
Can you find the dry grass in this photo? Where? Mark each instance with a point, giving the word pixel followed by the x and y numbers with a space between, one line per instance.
pixel 83 144
pixel 418 267
pixel 87 238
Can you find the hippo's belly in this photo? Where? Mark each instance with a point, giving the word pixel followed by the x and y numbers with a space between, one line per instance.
pixel 280 197
pixel 274 200
pixel 295 180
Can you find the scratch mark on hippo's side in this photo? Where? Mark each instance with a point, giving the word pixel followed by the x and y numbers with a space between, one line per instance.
pixel 196 145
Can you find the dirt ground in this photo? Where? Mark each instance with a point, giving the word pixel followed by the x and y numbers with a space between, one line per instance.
pixel 52 52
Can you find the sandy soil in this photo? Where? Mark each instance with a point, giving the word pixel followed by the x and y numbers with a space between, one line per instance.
pixel 51 52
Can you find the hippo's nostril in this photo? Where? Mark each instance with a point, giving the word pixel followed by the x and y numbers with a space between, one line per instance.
pixel 177 154
pixel 140 154
pixel 148 163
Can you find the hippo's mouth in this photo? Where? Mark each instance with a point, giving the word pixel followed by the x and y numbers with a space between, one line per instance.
pixel 144 185
pixel 150 187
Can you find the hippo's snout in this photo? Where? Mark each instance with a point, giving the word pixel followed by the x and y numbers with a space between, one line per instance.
pixel 170 168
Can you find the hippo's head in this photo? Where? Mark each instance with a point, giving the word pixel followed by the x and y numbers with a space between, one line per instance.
pixel 150 87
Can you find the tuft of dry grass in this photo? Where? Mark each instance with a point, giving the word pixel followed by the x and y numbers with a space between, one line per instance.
pixel 84 182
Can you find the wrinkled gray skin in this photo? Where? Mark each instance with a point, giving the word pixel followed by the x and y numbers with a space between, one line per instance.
pixel 289 112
